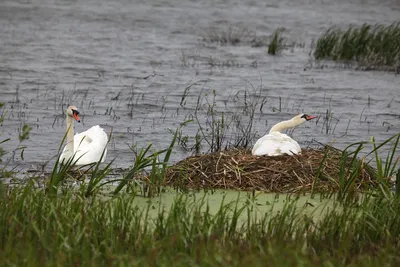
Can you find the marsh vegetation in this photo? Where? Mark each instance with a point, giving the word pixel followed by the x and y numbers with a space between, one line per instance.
pixel 84 218
pixel 369 46
pixel 277 42
pixel 41 229
pixel 185 96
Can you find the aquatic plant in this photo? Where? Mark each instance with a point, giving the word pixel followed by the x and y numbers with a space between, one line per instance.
pixel 350 170
pixel 277 43
pixel 232 35
pixel 370 46
pixel 386 167
pixel 217 126
pixel 2 151
pixel 150 184
pixel 354 165
pixel 386 170
pixel 23 135
pixel 97 176
pixel 214 134
pixel 3 114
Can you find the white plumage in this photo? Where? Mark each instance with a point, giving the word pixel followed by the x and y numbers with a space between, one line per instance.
pixel 86 147
pixel 276 143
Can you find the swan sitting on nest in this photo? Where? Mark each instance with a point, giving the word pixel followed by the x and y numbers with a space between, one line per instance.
pixel 86 147
pixel 276 143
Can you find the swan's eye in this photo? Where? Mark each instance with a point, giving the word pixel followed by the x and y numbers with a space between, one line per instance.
pixel 304 116
pixel 75 112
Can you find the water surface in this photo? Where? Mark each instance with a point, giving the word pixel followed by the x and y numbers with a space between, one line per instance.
pixel 126 64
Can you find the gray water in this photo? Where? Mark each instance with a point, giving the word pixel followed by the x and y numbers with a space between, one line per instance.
pixel 126 64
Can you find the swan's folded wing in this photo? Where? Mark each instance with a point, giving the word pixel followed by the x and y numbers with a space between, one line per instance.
pixel 275 144
pixel 290 148
pixel 266 147
pixel 89 145
pixel 82 139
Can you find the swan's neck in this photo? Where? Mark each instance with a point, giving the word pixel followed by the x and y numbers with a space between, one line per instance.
pixel 70 136
pixel 281 126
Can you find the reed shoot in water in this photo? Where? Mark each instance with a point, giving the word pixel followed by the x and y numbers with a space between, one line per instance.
pixel 277 43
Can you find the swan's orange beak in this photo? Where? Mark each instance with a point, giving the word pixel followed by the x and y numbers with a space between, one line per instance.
pixel 310 117
pixel 76 117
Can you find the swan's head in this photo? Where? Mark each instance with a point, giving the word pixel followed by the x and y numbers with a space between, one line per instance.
pixel 302 118
pixel 72 111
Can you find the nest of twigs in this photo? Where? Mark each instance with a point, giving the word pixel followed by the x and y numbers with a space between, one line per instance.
pixel 238 169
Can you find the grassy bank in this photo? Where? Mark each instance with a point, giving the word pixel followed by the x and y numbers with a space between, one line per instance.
pixel 371 46
pixel 38 229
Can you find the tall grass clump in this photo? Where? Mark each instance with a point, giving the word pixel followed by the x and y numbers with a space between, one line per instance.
pixel 386 167
pixel 348 176
pixel 141 164
pixel 277 43
pixel 355 163
pixel 371 46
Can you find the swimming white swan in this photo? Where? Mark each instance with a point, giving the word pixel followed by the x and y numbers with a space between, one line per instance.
pixel 276 143
pixel 85 147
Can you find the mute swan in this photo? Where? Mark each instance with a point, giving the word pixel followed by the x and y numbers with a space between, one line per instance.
pixel 85 147
pixel 276 143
